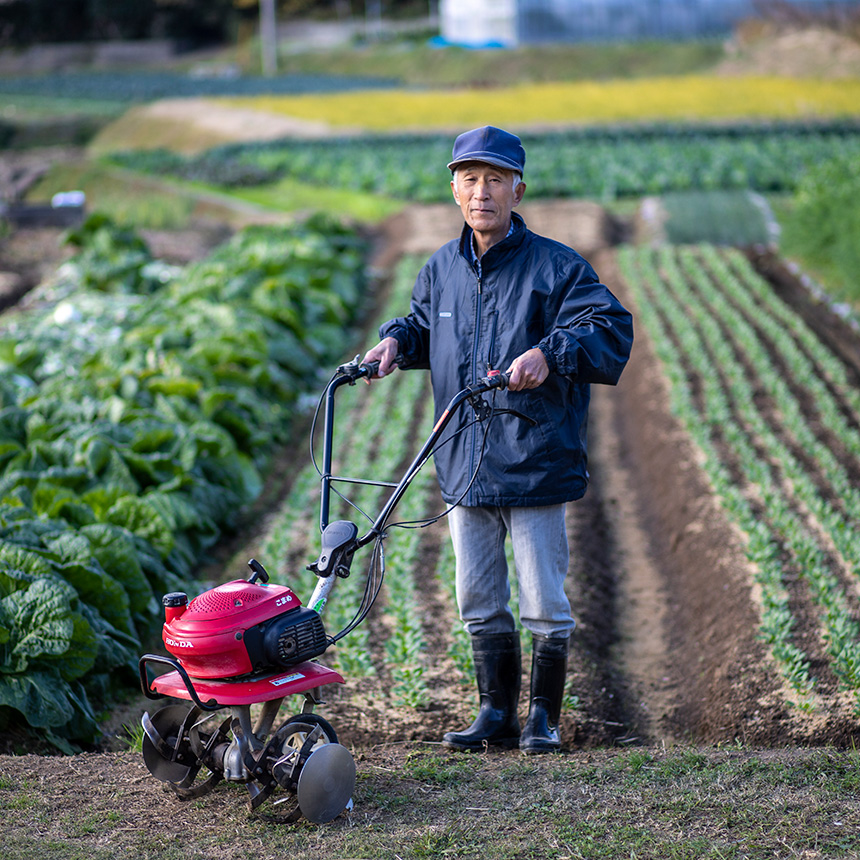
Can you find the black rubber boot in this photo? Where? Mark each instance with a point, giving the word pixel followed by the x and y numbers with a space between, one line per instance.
pixel 497 669
pixel 549 673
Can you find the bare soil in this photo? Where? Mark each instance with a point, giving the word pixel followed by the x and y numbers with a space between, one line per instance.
pixel 666 649
pixel 191 125
pixel 807 52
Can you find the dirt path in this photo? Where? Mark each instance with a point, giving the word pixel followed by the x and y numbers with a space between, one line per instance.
pixel 191 125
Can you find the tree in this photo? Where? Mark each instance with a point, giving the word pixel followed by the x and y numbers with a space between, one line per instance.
pixel 268 37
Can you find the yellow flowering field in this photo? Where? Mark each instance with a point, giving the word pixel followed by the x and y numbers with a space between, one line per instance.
pixel 670 98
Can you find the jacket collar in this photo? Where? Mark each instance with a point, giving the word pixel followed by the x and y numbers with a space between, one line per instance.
pixel 513 240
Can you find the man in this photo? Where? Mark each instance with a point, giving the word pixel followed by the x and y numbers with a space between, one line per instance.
pixel 502 297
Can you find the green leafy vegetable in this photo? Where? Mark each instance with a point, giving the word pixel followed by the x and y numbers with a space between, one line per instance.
pixel 139 405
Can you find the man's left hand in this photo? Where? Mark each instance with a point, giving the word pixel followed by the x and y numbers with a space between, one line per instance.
pixel 527 371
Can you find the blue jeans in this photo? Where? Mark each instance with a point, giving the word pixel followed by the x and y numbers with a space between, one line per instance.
pixel 541 556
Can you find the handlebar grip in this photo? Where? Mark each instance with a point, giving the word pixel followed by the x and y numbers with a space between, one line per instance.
pixel 494 379
pixel 370 369
pixel 497 379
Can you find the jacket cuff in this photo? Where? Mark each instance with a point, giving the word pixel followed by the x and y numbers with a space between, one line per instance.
pixel 391 329
pixel 550 359
pixel 399 333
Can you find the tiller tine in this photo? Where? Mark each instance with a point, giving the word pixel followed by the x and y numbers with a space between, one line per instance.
pixel 326 783
pixel 203 747
pixel 321 777
pixel 269 767
pixel 174 750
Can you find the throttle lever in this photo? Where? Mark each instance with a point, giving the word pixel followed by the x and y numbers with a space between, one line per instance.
pixel 493 379
pixel 481 408
pixel 354 370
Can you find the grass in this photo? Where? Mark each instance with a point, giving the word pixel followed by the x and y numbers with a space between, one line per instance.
pixel 827 275
pixel 421 802
pixel 143 202
pixel 138 128
pixel 294 196
pixel 825 272
pixel 134 202
pixel 32 107
pixel 131 736
pixel 424 65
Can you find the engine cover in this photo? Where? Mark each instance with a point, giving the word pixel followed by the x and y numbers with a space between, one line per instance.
pixel 287 639
pixel 240 628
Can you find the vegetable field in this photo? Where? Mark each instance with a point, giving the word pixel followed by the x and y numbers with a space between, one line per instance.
pixel 700 616
pixel 755 622
pixel 595 162
pixel 775 416
pixel 715 564
pixel 139 406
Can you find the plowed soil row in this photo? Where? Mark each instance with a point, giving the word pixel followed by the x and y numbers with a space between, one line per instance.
pixel 731 689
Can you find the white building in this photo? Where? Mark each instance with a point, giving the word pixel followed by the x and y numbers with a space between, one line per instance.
pixel 479 23
pixel 482 23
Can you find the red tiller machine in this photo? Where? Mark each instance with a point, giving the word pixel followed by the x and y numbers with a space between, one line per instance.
pixel 250 644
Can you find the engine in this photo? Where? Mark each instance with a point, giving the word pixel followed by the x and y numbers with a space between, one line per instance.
pixel 241 628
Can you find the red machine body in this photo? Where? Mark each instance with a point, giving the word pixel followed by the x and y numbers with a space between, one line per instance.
pixel 242 642
pixel 260 688
pixel 208 636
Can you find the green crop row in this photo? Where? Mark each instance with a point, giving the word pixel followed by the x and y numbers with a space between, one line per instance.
pixel 794 527
pixel 376 448
pixel 365 446
pixel 406 647
pixel 138 405
pixel 145 86
pixel 598 163
pixel 738 357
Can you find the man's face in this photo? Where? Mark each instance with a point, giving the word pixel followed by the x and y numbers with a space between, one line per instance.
pixel 486 197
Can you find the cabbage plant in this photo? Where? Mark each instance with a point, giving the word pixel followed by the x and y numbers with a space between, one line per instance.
pixel 139 405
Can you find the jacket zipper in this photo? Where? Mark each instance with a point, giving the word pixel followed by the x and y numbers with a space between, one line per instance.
pixel 494 318
pixel 477 336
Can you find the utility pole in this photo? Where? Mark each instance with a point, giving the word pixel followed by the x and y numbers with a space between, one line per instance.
pixel 268 37
pixel 373 19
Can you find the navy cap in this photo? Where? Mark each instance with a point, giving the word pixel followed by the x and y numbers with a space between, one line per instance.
pixel 491 146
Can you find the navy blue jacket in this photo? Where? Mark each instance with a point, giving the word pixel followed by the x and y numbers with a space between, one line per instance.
pixel 531 292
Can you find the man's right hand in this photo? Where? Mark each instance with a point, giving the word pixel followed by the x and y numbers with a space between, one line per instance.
pixel 384 352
